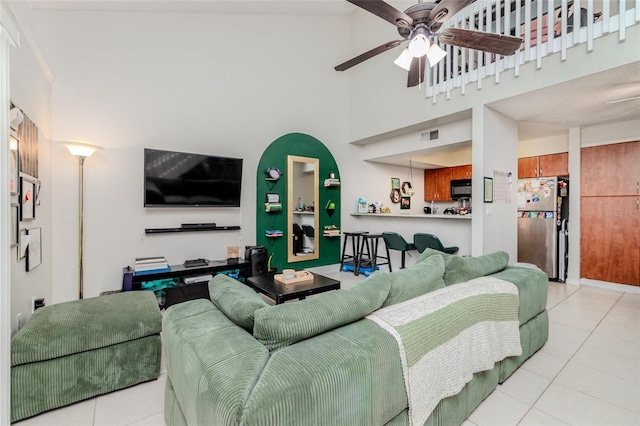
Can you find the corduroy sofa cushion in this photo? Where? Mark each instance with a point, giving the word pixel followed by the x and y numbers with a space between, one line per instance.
pixel 415 281
pixel 84 325
pixel 236 300
pixel 282 325
pixel 459 269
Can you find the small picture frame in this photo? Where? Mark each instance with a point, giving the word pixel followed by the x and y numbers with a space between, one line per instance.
pixel 405 203
pixel 23 244
pixel 14 164
pixel 395 183
pixel 15 224
pixel 488 190
pixel 273 197
pixel 34 250
pixel 27 198
pixel 37 192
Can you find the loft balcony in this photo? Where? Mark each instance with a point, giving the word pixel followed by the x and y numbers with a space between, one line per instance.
pixel 546 26
pixel 560 47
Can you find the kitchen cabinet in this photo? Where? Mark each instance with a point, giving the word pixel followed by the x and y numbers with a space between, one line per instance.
pixel 437 184
pixel 544 165
pixel 610 169
pixel 610 239
pixel 461 172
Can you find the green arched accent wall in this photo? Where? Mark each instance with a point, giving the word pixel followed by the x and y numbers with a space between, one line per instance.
pixel 276 156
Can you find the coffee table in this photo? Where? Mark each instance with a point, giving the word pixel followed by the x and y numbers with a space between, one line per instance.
pixel 283 292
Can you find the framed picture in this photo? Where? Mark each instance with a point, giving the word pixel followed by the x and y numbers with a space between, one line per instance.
pixel 395 183
pixel 405 203
pixel 488 190
pixel 37 191
pixel 14 165
pixel 15 224
pixel 34 250
pixel 27 198
pixel 273 197
pixel 23 244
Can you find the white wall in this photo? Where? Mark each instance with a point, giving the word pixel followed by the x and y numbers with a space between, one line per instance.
pixel 31 92
pixel 192 82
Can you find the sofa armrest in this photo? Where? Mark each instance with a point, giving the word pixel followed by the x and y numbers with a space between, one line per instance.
pixel 212 363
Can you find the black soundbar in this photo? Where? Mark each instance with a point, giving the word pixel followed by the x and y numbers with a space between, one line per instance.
pixel 199 225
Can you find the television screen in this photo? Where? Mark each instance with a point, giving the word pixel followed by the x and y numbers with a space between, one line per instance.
pixel 180 179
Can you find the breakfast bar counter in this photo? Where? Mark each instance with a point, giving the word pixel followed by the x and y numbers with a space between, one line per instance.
pixel 417 216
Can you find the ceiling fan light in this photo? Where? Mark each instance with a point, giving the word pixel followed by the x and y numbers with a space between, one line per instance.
pixel 404 60
pixel 419 45
pixel 435 54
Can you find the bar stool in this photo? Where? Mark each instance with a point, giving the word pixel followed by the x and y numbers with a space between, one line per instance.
pixel 395 241
pixel 371 242
pixel 352 258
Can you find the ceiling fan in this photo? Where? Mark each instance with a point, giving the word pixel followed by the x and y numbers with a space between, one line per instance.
pixel 419 25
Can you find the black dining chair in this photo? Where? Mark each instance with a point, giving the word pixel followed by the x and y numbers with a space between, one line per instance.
pixel 395 241
pixel 424 241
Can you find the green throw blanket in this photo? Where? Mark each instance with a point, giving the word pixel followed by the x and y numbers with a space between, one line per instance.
pixel 447 335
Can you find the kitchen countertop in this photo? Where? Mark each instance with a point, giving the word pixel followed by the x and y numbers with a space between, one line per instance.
pixel 423 216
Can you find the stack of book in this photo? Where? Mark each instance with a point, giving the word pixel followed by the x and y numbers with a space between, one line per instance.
pixel 331 231
pixel 151 265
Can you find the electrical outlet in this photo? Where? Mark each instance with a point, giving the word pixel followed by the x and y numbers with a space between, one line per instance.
pixel 36 302
pixel 33 304
pixel 19 321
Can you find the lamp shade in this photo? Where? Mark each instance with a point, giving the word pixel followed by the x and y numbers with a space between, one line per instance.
pixel 419 45
pixel 81 149
pixel 404 60
pixel 435 54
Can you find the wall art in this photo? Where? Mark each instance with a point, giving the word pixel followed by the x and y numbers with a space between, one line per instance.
pixel 34 251
pixel 14 166
pixel 27 201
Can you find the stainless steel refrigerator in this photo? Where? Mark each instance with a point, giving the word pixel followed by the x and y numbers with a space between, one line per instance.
pixel 543 212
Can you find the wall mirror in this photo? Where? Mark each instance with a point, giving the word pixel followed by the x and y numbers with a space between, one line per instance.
pixel 303 216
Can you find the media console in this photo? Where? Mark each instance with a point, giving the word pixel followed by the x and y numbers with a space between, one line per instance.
pixel 183 292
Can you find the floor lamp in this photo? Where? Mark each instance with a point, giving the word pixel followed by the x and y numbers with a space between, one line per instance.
pixel 81 150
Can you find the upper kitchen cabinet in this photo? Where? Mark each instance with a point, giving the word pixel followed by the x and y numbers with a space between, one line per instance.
pixel 437 184
pixel 544 165
pixel 461 172
pixel 609 170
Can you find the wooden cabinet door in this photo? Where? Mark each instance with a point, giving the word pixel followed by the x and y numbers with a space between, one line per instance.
pixel 430 184
pixel 610 239
pixel 444 184
pixel 554 164
pixel 527 167
pixel 461 172
pixel 610 169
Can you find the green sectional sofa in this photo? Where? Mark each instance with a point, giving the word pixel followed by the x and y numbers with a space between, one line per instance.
pixel 339 358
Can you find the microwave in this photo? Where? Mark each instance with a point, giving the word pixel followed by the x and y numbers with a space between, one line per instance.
pixel 460 188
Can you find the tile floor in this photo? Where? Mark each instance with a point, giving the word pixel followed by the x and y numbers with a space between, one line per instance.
pixel 588 373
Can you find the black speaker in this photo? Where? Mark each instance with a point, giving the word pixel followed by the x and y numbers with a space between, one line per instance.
pixel 257 255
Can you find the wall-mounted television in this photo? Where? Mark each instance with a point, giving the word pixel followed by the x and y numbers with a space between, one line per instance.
pixel 180 179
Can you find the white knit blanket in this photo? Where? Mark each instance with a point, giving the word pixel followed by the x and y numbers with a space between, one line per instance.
pixel 446 336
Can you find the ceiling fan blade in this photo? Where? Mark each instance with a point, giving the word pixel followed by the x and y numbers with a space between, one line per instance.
pixel 416 72
pixel 479 40
pixel 367 55
pixel 447 8
pixel 385 11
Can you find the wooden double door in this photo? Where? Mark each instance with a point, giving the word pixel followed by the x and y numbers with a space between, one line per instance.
pixel 610 213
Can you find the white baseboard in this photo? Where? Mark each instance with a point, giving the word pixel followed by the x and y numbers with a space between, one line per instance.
pixel 610 286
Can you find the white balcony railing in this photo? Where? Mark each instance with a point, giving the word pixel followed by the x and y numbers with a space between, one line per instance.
pixel 555 32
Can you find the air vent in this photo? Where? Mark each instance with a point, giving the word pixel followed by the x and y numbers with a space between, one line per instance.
pixel 431 135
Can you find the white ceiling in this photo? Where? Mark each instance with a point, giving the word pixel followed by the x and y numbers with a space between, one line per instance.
pixel 582 102
pixel 257 7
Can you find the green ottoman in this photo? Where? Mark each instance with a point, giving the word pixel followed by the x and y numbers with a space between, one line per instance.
pixel 77 350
